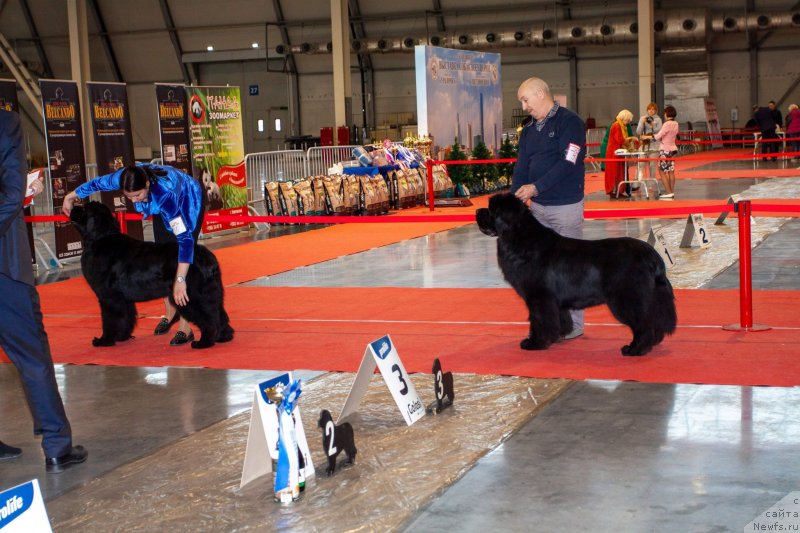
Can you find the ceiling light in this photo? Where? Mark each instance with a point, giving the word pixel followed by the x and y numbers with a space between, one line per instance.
pixel 255 45
pixel 210 48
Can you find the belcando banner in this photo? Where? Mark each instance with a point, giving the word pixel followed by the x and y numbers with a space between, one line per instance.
pixel 113 142
pixel 218 152
pixel 459 98
pixel 173 126
pixel 64 136
pixel 10 102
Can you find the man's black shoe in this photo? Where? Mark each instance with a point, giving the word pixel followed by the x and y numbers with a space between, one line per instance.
pixel 8 452
pixel 56 465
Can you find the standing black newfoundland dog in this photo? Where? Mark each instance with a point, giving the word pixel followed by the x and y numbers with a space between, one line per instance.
pixel 122 270
pixel 554 274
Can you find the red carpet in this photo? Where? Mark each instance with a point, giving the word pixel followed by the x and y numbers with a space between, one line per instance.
pixel 471 330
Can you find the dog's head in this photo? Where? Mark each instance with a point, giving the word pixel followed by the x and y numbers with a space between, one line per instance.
pixel 93 221
pixel 504 213
pixel 324 418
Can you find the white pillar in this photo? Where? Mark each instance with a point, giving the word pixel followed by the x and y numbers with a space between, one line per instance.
pixel 647 54
pixel 81 67
pixel 342 89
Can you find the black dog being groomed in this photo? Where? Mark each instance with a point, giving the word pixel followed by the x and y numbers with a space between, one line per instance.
pixel 555 274
pixel 122 270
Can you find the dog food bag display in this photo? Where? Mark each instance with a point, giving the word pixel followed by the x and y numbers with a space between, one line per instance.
pixel 272 198
pixel 391 182
pixel 382 192
pixel 318 186
pixel 405 194
pixel 288 199
pixel 333 195
pixel 305 197
pixel 369 198
pixel 351 190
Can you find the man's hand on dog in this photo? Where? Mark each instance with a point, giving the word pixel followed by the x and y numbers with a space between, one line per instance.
pixel 526 192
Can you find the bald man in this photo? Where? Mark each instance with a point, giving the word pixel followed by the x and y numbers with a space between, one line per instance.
pixel 549 171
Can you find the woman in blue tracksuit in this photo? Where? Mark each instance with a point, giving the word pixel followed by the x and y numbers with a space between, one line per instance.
pixel 178 200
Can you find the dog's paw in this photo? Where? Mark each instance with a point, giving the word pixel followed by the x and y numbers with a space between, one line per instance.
pixel 529 344
pixel 629 350
pixel 101 341
pixel 201 344
pixel 226 335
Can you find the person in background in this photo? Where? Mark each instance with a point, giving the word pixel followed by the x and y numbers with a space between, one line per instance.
pixel 179 199
pixel 617 137
pixel 22 334
pixel 649 124
pixel 767 125
pixel 776 114
pixel 793 128
pixel 550 169
pixel 669 149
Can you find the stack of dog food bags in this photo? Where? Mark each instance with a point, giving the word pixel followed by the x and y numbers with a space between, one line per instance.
pixel 382 192
pixel 318 186
pixel 369 198
pixel 288 198
pixel 333 195
pixel 305 197
pixel 272 198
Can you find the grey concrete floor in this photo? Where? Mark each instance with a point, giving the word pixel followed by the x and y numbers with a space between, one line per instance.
pixel 605 456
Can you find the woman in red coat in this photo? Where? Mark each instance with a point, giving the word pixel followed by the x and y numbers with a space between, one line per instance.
pixel 617 135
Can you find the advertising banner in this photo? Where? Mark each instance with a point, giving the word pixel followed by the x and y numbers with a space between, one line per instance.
pixel 217 147
pixel 64 136
pixel 113 141
pixel 173 126
pixel 459 97
pixel 10 102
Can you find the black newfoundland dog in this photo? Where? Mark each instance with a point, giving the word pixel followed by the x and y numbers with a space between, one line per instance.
pixel 122 270
pixel 555 274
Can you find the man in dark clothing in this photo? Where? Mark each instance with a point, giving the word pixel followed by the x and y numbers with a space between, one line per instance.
pixel 549 170
pixel 776 114
pixel 22 334
pixel 766 123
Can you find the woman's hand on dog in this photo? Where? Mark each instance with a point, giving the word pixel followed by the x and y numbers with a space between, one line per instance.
pixel 179 293
pixel 69 201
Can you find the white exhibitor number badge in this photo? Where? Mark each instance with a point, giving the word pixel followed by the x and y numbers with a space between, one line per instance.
pixel 22 509
pixel 177 225
pixel 262 438
pixel 383 354
pixel 572 153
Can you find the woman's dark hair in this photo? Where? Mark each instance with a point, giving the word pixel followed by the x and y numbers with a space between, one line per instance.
pixel 670 112
pixel 134 178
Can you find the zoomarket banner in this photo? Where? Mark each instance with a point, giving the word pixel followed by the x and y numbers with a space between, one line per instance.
pixel 173 126
pixel 217 147
pixel 113 141
pixel 459 97
pixel 64 136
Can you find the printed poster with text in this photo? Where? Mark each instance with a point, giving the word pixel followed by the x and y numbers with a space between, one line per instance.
pixel 113 142
pixel 459 97
pixel 173 126
pixel 64 136
pixel 218 152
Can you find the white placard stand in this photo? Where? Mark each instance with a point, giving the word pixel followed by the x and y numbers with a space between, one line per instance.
pixel 382 353
pixel 695 228
pixel 22 509
pixel 262 438
pixel 732 199
pixel 656 240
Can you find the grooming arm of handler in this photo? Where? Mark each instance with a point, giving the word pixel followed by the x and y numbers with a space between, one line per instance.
pixel 13 178
pixel 572 146
pixel 108 182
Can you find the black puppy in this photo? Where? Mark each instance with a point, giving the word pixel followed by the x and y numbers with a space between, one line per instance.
pixel 122 270
pixel 335 439
pixel 555 274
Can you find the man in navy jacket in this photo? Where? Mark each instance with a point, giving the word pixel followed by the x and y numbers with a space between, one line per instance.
pixel 22 334
pixel 549 171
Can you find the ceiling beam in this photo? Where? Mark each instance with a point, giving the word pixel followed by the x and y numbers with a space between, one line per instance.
pixel 37 40
pixel 437 11
pixel 104 38
pixel 187 69
pixel 281 22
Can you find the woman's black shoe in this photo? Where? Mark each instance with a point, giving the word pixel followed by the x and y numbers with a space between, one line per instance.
pixel 181 338
pixel 9 452
pixel 164 325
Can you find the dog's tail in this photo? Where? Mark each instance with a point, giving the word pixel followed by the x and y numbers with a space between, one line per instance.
pixel 665 318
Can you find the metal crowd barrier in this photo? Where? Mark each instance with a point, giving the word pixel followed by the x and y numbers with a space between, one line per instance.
pixel 321 158
pixel 594 137
pixel 261 167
